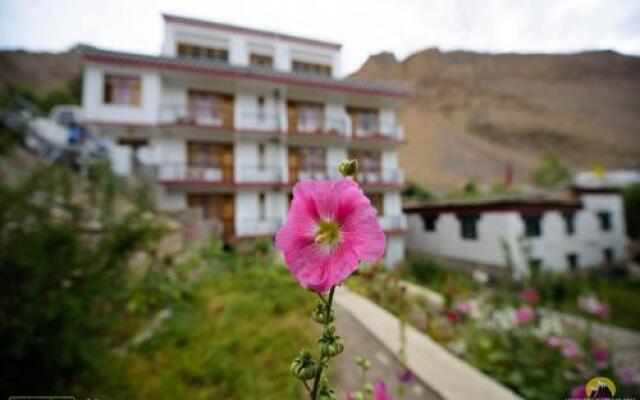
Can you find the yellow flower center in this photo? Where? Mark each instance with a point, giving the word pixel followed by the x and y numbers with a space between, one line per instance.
pixel 327 233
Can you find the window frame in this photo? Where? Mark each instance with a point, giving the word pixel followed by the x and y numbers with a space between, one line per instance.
pixel 605 220
pixel 469 226
pixel 134 87
pixel 532 231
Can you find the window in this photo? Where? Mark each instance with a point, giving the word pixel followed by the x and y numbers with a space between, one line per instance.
pixel 261 155
pixel 608 255
pixel 469 226
pixel 208 53
pixel 262 206
pixel 604 217
pixel 258 60
pixel 310 116
pixel 569 222
pixel 122 89
pixel 314 159
pixel 311 68
pixel 572 262
pixel 429 222
pixel 532 225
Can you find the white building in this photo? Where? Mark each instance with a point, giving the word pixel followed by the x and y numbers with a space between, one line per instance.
pixel 585 229
pixel 232 117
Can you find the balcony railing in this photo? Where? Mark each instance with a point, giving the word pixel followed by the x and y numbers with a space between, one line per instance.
pixel 259 227
pixel 320 125
pixel 383 177
pixel 377 130
pixel 182 172
pixel 260 174
pixel 393 222
pixel 193 114
pixel 259 121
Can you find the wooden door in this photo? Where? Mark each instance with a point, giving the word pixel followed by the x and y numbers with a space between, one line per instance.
pixel 295 164
pixel 227 212
pixel 226 159
pixel 377 201
pixel 292 116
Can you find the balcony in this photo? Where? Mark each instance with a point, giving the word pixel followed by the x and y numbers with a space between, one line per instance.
pixel 259 227
pixel 194 114
pixel 393 223
pixel 185 173
pixel 260 174
pixel 333 126
pixel 386 131
pixel 385 177
pixel 187 176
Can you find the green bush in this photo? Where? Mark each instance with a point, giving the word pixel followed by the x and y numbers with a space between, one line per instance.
pixel 550 173
pixel 61 288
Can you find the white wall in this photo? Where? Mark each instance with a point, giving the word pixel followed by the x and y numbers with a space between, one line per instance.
pixel 395 250
pixel 241 44
pixel 554 245
pixel 94 108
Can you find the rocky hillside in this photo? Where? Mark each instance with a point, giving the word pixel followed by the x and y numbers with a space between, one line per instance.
pixel 41 72
pixel 473 114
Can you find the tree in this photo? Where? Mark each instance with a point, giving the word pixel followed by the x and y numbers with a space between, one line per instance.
pixel 551 173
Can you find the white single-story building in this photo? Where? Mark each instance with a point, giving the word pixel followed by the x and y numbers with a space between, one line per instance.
pixel 582 228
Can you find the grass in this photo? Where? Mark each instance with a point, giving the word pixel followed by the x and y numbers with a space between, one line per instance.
pixel 233 337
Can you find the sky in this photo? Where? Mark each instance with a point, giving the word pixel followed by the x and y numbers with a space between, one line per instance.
pixel 364 27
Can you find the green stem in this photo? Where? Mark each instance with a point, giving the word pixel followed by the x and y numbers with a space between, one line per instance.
pixel 316 381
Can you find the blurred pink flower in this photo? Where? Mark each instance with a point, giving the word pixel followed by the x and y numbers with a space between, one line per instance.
pixel 591 305
pixel 554 342
pixel 524 315
pixel 571 349
pixel 626 375
pixel 380 391
pixel 406 375
pixel 578 392
pixel 331 226
pixel 530 295
pixel 463 307
pixel 601 356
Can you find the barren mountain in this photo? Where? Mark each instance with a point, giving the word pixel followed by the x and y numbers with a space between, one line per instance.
pixel 41 72
pixel 474 114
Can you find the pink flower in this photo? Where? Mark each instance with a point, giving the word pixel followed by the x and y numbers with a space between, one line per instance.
pixel 601 356
pixel 570 349
pixel 380 391
pixel 591 305
pixel 406 376
pixel 530 295
pixel 524 315
pixel 463 307
pixel 331 226
pixel 578 392
pixel 554 342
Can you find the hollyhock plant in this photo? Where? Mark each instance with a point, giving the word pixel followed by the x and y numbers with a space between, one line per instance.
pixel 331 227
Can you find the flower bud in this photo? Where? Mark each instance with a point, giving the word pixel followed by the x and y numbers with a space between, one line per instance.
pixel 348 168
pixel 304 366
pixel 320 313
pixel 363 363
pixel 325 392
pixel 330 344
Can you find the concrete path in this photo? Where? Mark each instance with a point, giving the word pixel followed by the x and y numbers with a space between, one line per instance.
pixel 384 363
pixel 447 376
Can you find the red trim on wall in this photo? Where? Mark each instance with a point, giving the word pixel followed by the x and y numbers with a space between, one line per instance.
pixel 160 64
pixel 221 185
pixel 578 190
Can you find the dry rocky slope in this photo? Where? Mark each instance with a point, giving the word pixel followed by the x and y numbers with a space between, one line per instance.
pixel 472 114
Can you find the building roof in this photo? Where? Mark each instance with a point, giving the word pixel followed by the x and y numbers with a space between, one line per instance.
pixel 205 67
pixel 250 31
pixel 522 204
